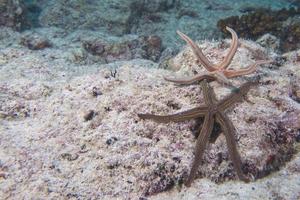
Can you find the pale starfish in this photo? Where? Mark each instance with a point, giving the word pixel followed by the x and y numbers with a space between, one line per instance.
pixel 220 71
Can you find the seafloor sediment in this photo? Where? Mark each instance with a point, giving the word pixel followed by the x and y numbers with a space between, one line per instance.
pixel 69 125
pixel 117 17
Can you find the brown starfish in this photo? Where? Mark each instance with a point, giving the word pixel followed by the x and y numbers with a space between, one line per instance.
pixel 213 111
pixel 219 72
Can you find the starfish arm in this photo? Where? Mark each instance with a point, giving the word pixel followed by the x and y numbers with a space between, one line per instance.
pixel 190 80
pixel 228 131
pixel 178 117
pixel 233 47
pixel 236 96
pixel 208 93
pixel 248 70
pixel 202 141
pixel 198 52
pixel 216 132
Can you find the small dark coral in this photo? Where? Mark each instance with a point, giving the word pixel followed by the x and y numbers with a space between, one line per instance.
pixel 95 47
pixel 35 41
pixel 153 46
pixel 164 178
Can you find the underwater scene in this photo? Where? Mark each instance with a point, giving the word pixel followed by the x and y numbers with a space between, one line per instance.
pixel 150 99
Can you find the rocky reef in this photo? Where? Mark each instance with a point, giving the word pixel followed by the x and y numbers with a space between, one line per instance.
pixel 284 24
pixel 69 126
pixel 75 74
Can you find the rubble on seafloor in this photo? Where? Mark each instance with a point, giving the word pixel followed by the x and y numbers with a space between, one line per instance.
pixel 70 129
pixel 283 23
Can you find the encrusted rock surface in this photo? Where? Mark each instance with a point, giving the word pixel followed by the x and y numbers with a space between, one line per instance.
pixel 269 41
pixel 70 130
pixel 283 23
pixel 84 46
pixel 12 13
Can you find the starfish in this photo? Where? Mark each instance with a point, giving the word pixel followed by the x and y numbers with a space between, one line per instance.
pixel 220 71
pixel 212 111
